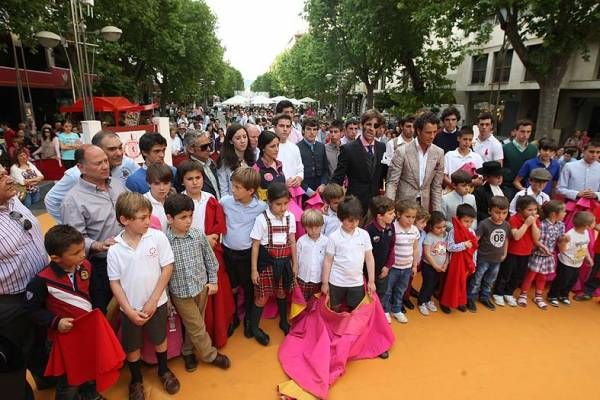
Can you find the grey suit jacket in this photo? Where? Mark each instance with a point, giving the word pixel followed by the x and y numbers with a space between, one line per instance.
pixel 403 176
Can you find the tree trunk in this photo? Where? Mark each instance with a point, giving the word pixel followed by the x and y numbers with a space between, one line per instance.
pixel 369 87
pixel 415 78
pixel 548 104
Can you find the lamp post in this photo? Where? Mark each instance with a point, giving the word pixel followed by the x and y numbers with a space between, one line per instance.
pixel 79 41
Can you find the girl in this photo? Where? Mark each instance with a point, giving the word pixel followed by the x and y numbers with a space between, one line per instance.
pixel 273 259
pixel 28 176
pixel 235 152
pixel 435 260
pixel 267 165
pixel 159 177
pixel 47 148
pixel 68 142
pixel 209 218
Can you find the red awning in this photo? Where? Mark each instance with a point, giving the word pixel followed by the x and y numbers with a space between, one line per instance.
pixel 109 104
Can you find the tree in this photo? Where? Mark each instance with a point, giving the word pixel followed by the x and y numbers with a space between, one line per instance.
pixel 267 82
pixel 230 81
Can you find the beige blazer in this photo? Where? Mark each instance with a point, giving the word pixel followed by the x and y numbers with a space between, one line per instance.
pixel 403 176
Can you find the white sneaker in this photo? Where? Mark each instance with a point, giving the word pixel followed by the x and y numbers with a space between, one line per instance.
pixel 400 317
pixel 499 300
pixel 388 317
pixel 423 309
pixel 431 306
pixel 510 300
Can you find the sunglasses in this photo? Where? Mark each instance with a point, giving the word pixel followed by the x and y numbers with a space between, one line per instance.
pixel 205 146
pixel 18 217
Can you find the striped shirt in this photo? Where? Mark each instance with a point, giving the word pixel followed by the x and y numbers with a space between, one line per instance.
pixel 22 253
pixel 404 246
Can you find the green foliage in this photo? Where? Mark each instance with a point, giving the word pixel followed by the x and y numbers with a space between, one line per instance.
pixel 230 82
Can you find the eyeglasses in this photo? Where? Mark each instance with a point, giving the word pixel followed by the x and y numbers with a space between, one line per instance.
pixel 205 146
pixel 24 222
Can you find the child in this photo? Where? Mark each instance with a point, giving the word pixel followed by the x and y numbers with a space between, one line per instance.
pixel 461 180
pixel 492 173
pixel 545 160
pixel 140 264
pixel 241 209
pixel 274 261
pixel 332 196
pixel 538 179
pixel 462 243
pixel 524 225
pixel 493 234
pixel 159 177
pixel 194 279
pixel 571 258
pixel 383 237
pixel 51 295
pixel 541 261
pixel 420 222
pixel 311 253
pixel 406 249
pixel 435 260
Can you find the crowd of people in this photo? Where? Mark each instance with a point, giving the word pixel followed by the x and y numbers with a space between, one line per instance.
pixel 346 209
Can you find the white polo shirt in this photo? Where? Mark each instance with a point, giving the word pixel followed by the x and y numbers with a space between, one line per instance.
pixel 158 210
pixel 139 269
pixel 453 161
pixel 489 149
pixel 291 161
pixel 311 254
pixel 540 198
pixel 348 251
pixel 260 231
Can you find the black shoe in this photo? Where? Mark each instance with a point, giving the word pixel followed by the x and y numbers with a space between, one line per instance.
pixel 488 304
pixel 384 355
pixel 190 362
pixel 260 336
pixel 583 297
pixel 247 328
pixel 471 306
pixel 233 325
pixel 408 304
pixel 445 310
pixel 284 325
pixel 403 310
pixel 462 308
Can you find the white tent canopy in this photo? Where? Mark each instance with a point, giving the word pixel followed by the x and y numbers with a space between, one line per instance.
pixel 261 101
pixel 296 102
pixel 278 99
pixel 236 101
pixel 308 100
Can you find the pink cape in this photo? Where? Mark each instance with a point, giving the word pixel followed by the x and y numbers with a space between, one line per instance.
pixel 315 352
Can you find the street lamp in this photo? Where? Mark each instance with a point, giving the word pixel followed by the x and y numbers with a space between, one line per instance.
pixel 50 40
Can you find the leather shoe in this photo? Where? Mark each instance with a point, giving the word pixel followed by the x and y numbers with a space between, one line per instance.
pixel 445 310
pixel 488 304
pixel 261 337
pixel 233 326
pixel 384 355
pixel 190 362
pixel 170 382
pixel 408 304
pixel 471 306
pixel 221 361
pixel 136 391
pixel 462 308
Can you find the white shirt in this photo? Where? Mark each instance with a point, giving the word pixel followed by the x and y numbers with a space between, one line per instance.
pixel 332 222
pixel 496 191
pixel 348 251
pixel 576 250
pixel 311 254
pixel 422 161
pixel 199 215
pixel 291 161
pixel 260 231
pixel 540 198
pixel 390 148
pixel 453 161
pixel 17 173
pixel 158 210
pixel 489 149
pixel 139 269
pixel 176 145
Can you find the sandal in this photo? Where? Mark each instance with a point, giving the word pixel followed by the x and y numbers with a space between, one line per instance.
pixel 539 301
pixel 522 300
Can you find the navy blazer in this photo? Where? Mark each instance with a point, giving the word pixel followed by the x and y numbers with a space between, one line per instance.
pixel 316 166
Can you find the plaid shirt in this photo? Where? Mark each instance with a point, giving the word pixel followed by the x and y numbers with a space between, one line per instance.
pixel 195 263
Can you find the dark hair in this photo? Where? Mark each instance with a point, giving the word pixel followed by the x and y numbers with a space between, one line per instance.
pixel 283 104
pixel 228 156
pixel 159 173
pixel 370 114
pixel 426 118
pixel 80 155
pixel 99 137
pixel 523 122
pixel 450 111
pixel 276 119
pixel 310 122
pixel 276 191
pixel 523 202
pixel 592 143
pixel 332 191
pixel 499 202
pixel 149 140
pixel 351 121
pixel 547 144
pixel 59 238
pixel 435 218
pixel 380 205
pixel 336 123
pixel 465 130
pixel 264 139
pixel 350 208
pixel 177 203
pixel 570 151
pixel 407 119
pixel 465 210
pixel 552 206
pixel 187 166
pixel 485 115
pixel 460 176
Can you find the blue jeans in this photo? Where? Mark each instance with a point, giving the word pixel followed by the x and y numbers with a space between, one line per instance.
pixel 398 280
pixel 485 275
pixel 31 198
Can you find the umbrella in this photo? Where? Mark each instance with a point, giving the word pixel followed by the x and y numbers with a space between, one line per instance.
pixel 236 101
pixel 308 100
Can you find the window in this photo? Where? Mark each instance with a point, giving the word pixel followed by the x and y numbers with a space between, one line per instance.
pixel 502 62
pixel 532 51
pixel 479 68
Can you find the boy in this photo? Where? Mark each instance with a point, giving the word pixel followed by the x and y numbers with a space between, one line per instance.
pixel 314 159
pixel 463 155
pixel 241 209
pixel 140 265
pixel 492 173
pixel 194 279
pixel 524 225
pixel 332 196
pixel 493 234
pixel 159 178
pixel 538 179
pixel 461 181
pixel 311 252
pixel 545 159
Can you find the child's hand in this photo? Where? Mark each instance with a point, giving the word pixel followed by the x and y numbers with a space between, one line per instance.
pixel 139 318
pixel 212 240
pixel 384 272
pixel 65 325
pixel 545 249
pixel 325 288
pixel 468 244
pixel 212 288
pixel 254 277
pixel 371 289
pixel 530 220
pixel 149 308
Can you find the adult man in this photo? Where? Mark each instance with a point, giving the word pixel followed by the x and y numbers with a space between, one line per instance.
pixel 486 145
pixel 360 161
pixel 289 154
pixel 332 149
pixel 152 147
pixel 407 135
pixel 199 147
pixel 516 153
pixel 314 159
pixel 417 169
pixel 581 178
pixel 90 208
pixel 447 138
pixel 323 128
pixel 350 131
pixel 253 134
pixel 120 168
pixel 296 122
pixel 286 107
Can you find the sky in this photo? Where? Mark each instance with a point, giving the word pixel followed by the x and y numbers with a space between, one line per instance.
pixel 254 32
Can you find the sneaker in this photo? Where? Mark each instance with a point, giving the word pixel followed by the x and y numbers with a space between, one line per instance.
pixel 540 303
pixel 423 309
pixel 499 300
pixel 522 300
pixel 583 297
pixel 565 301
pixel 487 303
pixel 400 317
pixel 471 306
pixel 388 317
pixel 510 300
pixel 553 301
pixel 431 306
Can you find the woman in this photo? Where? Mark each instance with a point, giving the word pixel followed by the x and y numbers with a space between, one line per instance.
pixel 47 148
pixel 235 152
pixel 69 141
pixel 27 176
pixel 267 165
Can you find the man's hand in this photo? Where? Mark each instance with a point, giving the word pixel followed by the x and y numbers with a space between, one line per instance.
pixel 587 193
pixel 294 182
pixel 101 246
pixel 212 288
pixel 65 325
pixel 212 240
pixel 320 189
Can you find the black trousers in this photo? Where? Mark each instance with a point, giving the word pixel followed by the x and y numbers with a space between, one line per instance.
pixel 566 277
pixel 238 266
pixel 100 292
pixel 593 282
pixel 351 296
pixel 431 279
pixel 512 272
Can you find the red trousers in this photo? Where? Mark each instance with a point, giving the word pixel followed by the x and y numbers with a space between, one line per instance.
pixel 540 281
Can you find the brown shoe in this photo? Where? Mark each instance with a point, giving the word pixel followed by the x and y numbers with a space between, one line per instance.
pixel 221 361
pixel 136 391
pixel 170 382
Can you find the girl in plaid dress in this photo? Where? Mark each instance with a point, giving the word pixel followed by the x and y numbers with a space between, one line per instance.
pixel 273 259
pixel 543 261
